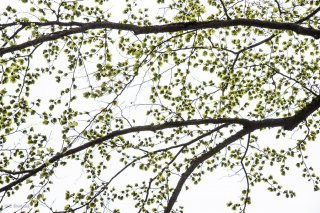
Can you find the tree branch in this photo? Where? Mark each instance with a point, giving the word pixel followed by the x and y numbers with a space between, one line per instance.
pixel 288 123
pixel 199 160
pixel 302 114
pixel 246 199
pixel 309 16
pixel 174 27
pixel 225 10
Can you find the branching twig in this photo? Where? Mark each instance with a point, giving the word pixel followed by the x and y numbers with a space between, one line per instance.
pixel 246 175
pixel 225 10
pixel 199 160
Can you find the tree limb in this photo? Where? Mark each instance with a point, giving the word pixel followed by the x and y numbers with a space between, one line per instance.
pixel 199 160
pixel 287 123
pixel 174 27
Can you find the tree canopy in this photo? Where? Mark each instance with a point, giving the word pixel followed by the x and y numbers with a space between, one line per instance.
pixel 164 91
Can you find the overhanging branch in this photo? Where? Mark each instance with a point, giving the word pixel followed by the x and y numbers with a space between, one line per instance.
pixel 175 27
pixel 287 123
pixel 302 114
pixel 199 160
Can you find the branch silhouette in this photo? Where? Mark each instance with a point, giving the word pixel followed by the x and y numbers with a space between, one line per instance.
pixel 137 30
pixel 287 123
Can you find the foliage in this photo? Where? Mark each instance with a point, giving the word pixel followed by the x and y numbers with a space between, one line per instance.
pixel 158 89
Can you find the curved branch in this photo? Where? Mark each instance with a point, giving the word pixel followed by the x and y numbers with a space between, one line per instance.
pixel 288 123
pixel 153 152
pixel 174 27
pixel 225 10
pixel 199 160
pixel 309 16
pixel 246 199
pixel 302 114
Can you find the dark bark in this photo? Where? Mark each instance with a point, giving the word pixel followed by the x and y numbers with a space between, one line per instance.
pixel 302 115
pixel 287 123
pixel 199 160
pixel 175 27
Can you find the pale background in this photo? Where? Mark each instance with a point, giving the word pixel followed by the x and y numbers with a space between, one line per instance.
pixel 217 188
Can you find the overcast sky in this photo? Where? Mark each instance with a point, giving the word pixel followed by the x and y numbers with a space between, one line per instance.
pixel 221 186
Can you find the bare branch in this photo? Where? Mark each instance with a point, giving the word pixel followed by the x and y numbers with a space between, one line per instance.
pixel 308 16
pixel 225 10
pixel 302 114
pixel 295 80
pixel 279 7
pixel 246 175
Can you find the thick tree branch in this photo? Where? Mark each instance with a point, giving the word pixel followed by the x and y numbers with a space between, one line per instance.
pixel 199 160
pixel 288 123
pixel 181 146
pixel 302 114
pixel 175 27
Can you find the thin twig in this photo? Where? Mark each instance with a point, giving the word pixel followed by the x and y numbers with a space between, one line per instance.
pixel 246 200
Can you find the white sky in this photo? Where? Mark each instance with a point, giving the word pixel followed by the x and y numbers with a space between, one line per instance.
pixel 219 187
